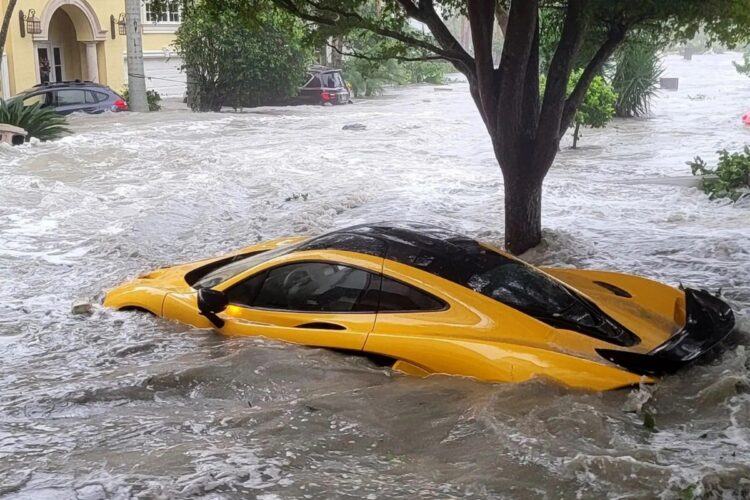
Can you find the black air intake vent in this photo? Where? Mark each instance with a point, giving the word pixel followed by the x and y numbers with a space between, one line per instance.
pixel 614 289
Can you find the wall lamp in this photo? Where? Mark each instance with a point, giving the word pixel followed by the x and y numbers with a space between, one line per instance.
pixel 29 23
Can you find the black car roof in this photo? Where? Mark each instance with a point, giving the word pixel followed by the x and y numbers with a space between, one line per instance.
pixel 68 83
pixel 41 87
pixel 427 247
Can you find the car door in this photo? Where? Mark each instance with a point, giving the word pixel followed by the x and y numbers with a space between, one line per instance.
pixel 42 98
pixel 316 303
pixel 69 100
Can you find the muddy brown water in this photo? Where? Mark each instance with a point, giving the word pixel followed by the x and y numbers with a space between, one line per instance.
pixel 121 405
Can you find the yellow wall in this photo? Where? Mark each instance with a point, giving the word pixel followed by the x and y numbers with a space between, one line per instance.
pixel 69 28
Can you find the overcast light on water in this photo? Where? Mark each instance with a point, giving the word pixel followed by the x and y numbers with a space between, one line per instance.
pixel 121 405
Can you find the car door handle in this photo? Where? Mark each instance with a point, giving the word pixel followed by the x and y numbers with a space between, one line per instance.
pixel 321 325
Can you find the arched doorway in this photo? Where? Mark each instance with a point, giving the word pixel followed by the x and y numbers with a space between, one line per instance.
pixel 67 48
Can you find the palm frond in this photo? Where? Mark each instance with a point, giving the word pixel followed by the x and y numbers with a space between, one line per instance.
pixel 636 78
pixel 42 123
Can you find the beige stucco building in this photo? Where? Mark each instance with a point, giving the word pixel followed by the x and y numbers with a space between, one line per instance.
pixel 81 40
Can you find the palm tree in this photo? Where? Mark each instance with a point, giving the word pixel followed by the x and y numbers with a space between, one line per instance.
pixel 636 78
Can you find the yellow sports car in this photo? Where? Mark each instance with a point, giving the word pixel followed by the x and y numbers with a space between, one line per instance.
pixel 433 301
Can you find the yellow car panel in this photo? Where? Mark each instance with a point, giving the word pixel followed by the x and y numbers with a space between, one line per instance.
pixel 436 302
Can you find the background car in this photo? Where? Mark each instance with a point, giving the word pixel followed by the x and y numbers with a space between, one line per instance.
pixel 69 97
pixel 324 86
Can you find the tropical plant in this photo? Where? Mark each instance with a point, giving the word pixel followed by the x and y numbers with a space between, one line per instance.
pixel 152 97
pixel 41 123
pixel 597 108
pixel 730 178
pixel 368 78
pixel 636 78
pixel 241 60
pixel 425 71
pixel 369 75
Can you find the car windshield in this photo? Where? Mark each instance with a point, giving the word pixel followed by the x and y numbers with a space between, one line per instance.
pixel 235 266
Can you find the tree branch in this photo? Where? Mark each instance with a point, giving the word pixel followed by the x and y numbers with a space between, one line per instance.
pixel 615 37
pixel 291 7
pixel 482 20
pixel 519 43
pixel 427 14
pixel 359 55
pixel 560 67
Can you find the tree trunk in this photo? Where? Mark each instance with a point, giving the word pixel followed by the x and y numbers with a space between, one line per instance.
pixel 575 135
pixel 6 25
pixel 523 212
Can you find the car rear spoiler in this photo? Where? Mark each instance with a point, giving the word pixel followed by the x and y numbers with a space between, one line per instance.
pixel 708 321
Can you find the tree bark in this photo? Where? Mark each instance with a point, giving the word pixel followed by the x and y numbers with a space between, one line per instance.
pixel 523 212
pixel 575 135
pixel 6 25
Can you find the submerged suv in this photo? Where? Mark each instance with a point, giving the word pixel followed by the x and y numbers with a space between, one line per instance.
pixel 69 97
pixel 324 86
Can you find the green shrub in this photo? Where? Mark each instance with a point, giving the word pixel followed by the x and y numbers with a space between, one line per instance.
pixel 598 106
pixel 152 98
pixel 232 60
pixel 732 175
pixel 42 123
pixel 425 71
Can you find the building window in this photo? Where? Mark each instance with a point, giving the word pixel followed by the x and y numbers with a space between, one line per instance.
pixel 171 13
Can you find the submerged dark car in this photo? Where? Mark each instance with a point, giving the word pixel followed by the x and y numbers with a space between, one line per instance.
pixel 69 97
pixel 324 86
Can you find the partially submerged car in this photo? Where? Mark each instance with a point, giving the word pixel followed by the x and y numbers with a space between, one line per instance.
pixel 434 301
pixel 74 96
pixel 324 86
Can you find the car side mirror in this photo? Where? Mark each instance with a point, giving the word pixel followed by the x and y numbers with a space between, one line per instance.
pixel 211 302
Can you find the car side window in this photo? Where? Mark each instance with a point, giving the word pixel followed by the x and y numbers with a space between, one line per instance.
pixel 70 97
pixel 396 296
pixel 35 99
pixel 314 82
pixel 308 286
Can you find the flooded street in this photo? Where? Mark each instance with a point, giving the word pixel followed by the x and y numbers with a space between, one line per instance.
pixel 121 405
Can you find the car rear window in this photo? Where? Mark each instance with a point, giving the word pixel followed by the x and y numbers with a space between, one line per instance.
pixel 94 97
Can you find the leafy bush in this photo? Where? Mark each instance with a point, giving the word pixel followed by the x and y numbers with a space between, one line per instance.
pixel 231 59
pixel 598 106
pixel 636 78
pixel 152 98
pixel 732 175
pixel 368 76
pixel 42 123
pixel 425 71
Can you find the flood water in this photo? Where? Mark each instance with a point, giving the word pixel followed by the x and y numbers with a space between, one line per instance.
pixel 121 405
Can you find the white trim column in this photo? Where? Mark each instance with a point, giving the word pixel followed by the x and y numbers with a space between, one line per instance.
pixel 92 62
pixel 5 77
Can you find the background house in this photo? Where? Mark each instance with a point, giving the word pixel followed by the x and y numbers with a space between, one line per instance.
pixel 81 40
